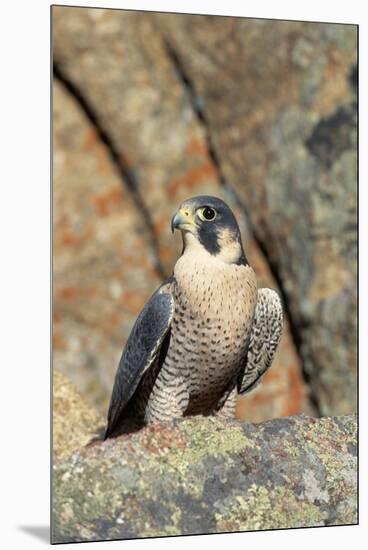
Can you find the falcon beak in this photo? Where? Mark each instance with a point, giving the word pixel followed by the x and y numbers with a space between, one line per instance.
pixel 183 220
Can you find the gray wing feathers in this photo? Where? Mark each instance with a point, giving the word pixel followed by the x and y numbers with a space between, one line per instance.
pixel 264 338
pixel 140 352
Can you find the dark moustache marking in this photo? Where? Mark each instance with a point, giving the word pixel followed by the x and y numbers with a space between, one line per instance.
pixel 209 231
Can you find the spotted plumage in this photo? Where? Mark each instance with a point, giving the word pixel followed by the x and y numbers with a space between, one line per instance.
pixel 205 336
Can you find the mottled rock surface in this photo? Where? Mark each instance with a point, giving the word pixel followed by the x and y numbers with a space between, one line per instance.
pixel 279 101
pixel 75 423
pixel 205 475
pixel 103 268
pixel 118 62
pixel 148 110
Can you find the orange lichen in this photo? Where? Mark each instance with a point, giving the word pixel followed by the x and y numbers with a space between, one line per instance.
pixel 91 139
pixel 58 341
pixel 106 202
pixel 115 319
pixel 67 236
pixel 158 438
pixel 133 301
pixel 196 147
pixel 56 316
pixel 192 178
pixel 160 224
pixel 166 254
pixel 68 293
pixel 296 394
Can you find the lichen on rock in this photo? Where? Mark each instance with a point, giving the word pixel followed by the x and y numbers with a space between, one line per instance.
pixel 74 421
pixel 208 475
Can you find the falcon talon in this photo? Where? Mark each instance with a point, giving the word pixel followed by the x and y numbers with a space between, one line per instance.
pixel 206 335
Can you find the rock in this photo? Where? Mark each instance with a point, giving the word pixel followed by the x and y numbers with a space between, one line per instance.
pixel 206 475
pixel 282 120
pixel 262 113
pixel 147 113
pixel 74 423
pixel 141 105
pixel 103 264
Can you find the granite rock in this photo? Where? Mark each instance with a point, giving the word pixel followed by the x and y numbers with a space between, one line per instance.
pixel 279 102
pixel 74 422
pixel 103 268
pixel 157 138
pixel 206 475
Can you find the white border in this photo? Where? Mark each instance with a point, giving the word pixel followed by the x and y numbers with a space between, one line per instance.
pixel 25 242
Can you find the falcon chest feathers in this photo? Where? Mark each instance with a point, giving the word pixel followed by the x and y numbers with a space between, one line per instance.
pixel 214 308
pixel 206 335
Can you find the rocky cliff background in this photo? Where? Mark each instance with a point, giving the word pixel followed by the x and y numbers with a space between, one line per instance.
pixel 149 109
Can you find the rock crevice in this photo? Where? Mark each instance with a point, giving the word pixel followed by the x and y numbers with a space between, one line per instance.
pixel 118 158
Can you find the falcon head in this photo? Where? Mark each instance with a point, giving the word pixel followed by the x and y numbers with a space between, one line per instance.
pixel 208 222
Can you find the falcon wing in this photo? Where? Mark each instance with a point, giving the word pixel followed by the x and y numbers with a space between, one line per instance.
pixel 141 350
pixel 264 338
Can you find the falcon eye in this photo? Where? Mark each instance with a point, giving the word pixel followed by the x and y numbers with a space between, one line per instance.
pixel 207 214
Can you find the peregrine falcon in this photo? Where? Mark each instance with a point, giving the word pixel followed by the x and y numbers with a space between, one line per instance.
pixel 206 335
